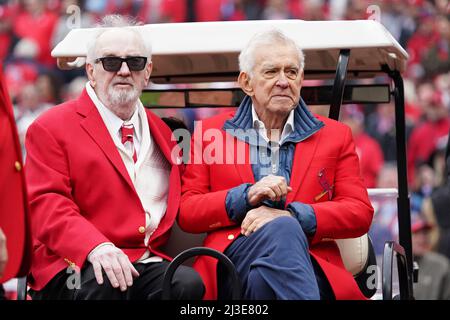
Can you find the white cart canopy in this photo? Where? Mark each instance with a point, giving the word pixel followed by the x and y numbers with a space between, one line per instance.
pixel 208 51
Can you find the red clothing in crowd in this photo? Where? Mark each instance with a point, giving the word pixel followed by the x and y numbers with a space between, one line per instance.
pixel 208 10
pixel 423 142
pixel 412 112
pixel 419 44
pixel 140 9
pixel 5 42
pixel 173 10
pixel 19 73
pixel 299 10
pixel 40 29
pixel 205 10
pixel 370 158
pixel 5 36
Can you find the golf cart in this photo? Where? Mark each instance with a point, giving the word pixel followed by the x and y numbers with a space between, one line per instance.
pixel 196 66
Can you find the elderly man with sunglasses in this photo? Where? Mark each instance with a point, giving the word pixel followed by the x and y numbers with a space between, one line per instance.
pixel 103 189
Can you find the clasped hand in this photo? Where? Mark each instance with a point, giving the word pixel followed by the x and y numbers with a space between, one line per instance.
pixel 268 188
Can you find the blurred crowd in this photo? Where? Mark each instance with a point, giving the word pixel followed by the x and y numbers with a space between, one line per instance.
pixel 29 29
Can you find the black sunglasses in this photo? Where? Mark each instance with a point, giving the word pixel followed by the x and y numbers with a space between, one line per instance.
pixel 113 64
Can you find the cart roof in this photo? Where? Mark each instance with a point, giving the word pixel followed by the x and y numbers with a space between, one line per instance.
pixel 208 51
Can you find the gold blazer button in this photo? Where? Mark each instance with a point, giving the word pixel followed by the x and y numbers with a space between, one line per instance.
pixel 141 229
pixel 230 236
pixel 18 166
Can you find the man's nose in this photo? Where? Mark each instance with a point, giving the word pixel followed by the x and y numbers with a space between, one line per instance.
pixel 124 70
pixel 282 81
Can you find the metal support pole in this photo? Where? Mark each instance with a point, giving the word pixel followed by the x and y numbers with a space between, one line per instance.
pixel 403 201
pixel 339 84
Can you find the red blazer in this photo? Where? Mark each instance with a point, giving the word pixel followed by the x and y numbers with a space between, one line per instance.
pixel 347 215
pixel 13 197
pixel 80 192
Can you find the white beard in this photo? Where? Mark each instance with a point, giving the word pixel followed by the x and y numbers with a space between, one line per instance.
pixel 123 97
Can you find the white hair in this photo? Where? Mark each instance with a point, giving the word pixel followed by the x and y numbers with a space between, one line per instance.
pixel 266 38
pixel 116 21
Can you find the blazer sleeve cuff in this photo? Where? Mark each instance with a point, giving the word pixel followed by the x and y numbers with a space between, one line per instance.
pixel 236 202
pixel 305 215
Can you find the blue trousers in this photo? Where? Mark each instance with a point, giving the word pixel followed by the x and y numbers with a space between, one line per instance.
pixel 273 263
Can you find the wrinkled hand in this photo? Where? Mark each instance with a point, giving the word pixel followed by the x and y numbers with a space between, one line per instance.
pixel 116 264
pixel 3 253
pixel 270 187
pixel 258 217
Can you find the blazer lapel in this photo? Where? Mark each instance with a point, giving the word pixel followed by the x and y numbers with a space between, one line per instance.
pixel 93 124
pixel 304 153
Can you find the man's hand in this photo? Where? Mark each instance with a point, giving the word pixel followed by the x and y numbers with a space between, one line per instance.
pixel 258 217
pixel 3 253
pixel 116 264
pixel 270 187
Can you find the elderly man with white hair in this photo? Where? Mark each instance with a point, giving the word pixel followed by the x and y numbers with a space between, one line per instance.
pixel 289 186
pixel 103 190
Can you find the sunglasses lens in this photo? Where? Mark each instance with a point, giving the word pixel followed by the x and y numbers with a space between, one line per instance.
pixel 111 64
pixel 136 63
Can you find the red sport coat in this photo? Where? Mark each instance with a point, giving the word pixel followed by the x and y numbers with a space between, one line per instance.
pixel 349 213
pixel 80 192
pixel 13 197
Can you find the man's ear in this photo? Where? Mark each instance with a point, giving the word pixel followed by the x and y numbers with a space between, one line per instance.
pixel 148 71
pixel 244 83
pixel 90 73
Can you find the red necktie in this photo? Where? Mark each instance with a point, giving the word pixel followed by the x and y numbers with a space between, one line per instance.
pixel 127 131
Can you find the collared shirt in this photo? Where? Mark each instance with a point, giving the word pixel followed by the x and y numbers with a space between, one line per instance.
pixel 269 158
pixel 261 128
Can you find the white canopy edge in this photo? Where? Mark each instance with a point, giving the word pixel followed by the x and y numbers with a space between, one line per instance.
pixel 224 40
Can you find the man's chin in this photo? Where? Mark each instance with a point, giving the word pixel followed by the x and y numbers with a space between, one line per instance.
pixel 122 91
pixel 123 96
pixel 285 107
pixel 282 101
